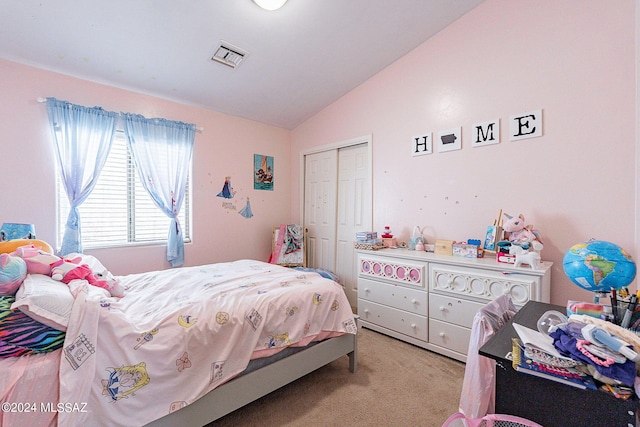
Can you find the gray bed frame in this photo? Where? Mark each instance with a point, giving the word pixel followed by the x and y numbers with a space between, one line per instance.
pixel 249 387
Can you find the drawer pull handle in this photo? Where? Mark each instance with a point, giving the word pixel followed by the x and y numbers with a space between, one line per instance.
pixel 442 308
pixel 441 334
pixel 414 326
pixel 414 301
pixel 367 290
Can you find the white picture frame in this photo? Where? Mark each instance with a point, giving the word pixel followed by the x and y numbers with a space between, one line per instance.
pixel 450 139
pixel 486 133
pixel 525 125
pixel 422 145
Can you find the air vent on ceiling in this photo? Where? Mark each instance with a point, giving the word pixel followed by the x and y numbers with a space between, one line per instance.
pixel 229 55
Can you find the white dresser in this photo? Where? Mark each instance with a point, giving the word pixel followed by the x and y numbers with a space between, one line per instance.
pixel 430 300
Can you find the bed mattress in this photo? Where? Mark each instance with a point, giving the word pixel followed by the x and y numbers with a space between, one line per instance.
pixel 178 334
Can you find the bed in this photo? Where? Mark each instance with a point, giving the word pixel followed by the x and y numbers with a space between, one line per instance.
pixel 183 347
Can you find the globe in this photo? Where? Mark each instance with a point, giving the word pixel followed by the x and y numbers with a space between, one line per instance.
pixel 599 266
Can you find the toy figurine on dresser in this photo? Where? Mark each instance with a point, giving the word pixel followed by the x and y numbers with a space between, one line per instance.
pixel 523 243
pixel 387 238
pixel 417 241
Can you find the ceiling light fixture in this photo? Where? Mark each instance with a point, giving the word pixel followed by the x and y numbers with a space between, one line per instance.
pixel 270 4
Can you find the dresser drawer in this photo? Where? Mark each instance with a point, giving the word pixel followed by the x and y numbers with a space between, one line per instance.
pixel 453 310
pixel 392 270
pixel 391 318
pixel 449 336
pixel 412 300
pixel 483 284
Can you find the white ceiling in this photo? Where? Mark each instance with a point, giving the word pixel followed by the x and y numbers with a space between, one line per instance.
pixel 301 57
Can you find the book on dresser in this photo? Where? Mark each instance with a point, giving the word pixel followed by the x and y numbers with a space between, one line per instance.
pixel 568 376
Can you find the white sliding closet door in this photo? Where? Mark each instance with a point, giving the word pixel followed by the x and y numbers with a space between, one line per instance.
pixel 353 214
pixel 337 204
pixel 320 196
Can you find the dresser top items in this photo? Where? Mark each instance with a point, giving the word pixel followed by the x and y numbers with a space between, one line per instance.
pixel 484 263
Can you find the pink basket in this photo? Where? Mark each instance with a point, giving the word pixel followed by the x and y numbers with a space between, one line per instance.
pixel 490 420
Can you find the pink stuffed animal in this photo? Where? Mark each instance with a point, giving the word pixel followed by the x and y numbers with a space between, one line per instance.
pixel 38 261
pixel 517 232
pixel 67 270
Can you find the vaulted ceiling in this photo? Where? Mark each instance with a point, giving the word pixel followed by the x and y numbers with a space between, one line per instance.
pixel 298 59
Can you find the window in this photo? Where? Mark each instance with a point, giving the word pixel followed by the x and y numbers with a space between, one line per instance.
pixel 119 211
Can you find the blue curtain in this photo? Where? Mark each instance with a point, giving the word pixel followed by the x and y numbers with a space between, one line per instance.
pixel 162 151
pixel 82 138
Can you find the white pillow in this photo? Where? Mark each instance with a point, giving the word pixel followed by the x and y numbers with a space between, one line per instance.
pixel 94 263
pixel 46 300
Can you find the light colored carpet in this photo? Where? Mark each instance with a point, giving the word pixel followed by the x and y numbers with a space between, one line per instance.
pixel 397 384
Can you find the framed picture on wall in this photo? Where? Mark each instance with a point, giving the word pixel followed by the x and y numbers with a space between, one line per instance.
pixel 262 172
pixel 449 140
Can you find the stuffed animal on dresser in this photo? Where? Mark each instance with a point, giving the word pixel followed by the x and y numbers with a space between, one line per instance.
pixel 517 232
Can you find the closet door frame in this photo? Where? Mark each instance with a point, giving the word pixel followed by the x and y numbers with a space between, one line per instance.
pixel 365 139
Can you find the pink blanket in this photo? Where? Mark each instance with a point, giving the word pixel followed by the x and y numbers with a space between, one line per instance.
pixel 29 390
pixel 179 333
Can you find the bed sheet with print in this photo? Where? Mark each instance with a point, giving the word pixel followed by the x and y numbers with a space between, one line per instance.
pixel 177 335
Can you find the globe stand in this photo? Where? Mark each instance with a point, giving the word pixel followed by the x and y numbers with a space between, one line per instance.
pixel 599 294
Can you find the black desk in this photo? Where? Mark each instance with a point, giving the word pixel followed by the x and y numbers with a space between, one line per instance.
pixel 546 402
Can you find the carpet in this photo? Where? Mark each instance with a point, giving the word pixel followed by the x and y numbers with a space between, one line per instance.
pixel 397 384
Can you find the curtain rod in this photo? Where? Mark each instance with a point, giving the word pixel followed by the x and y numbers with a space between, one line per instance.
pixel 41 100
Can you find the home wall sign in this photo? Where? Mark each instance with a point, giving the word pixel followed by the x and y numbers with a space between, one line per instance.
pixel 422 145
pixel 521 126
pixel 525 125
pixel 486 133
pixel 449 140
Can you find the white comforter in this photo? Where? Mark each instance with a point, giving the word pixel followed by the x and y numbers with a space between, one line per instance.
pixel 176 334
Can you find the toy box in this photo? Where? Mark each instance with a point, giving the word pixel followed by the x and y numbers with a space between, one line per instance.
pixel 465 250
pixel 505 257
pixel 366 235
pixel 389 242
pixel 444 247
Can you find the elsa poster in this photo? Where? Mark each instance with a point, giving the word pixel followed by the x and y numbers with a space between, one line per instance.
pixel 263 172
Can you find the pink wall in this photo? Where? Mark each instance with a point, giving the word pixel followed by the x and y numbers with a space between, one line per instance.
pixel 225 147
pixel 574 59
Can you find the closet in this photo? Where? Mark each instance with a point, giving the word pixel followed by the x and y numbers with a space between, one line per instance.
pixel 337 203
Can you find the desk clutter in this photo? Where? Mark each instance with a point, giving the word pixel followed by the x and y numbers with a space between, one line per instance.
pixel 583 349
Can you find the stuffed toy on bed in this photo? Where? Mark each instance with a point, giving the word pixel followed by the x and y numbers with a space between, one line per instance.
pixel 10 246
pixel 38 261
pixel 66 270
pixel 13 270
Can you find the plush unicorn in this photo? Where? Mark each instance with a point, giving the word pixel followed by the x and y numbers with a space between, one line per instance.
pixel 531 258
pixel 518 232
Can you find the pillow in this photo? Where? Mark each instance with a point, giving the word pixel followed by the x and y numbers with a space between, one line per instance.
pixel 20 334
pixel 94 264
pixel 10 246
pixel 45 300
pixel 13 271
